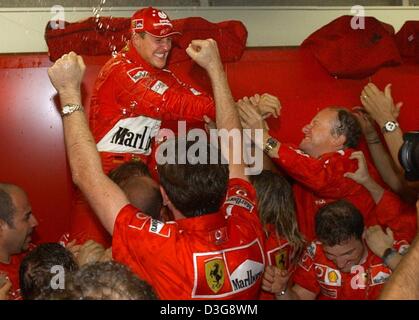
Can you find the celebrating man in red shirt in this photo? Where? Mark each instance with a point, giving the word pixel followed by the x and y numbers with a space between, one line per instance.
pixel 214 248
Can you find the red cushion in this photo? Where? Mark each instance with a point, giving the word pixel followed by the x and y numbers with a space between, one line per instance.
pixel 105 35
pixel 407 40
pixel 353 53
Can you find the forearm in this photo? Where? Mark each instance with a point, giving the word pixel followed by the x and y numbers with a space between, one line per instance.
pixel 227 116
pixel 404 282
pixel 102 194
pixel 384 164
pixel 228 122
pixel 394 140
pixel 375 190
pixel 394 261
pixel 80 145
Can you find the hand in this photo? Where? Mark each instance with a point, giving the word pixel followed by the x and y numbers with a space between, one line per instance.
pixel 5 286
pixel 269 105
pixel 366 123
pixel 249 117
pixel 378 240
pixel 107 255
pixel 361 175
pixel 275 280
pixel 205 53
pixel 379 104
pixel 90 251
pixel 67 73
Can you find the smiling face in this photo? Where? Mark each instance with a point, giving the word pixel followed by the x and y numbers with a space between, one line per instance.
pixel 318 134
pixel 16 238
pixel 152 49
pixel 346 254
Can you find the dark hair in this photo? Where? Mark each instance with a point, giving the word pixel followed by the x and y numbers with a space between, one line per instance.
pixel 194 189
pixel 338 222
pixel 129 169
pixel 144 193
pixel 108 281
pixel 36 268
pixel 7 209
pixel 276 206
pixel 348 125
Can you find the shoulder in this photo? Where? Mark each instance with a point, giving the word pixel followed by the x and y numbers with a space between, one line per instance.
pixel 131 220
pixel 241 193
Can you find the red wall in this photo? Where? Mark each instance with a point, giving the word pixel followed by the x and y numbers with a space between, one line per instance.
pixel 31 143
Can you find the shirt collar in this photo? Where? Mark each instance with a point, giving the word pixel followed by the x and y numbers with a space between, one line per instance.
pixel 202 223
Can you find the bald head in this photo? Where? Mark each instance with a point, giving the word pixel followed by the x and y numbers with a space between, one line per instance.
pixel 7 206
pixel 144 193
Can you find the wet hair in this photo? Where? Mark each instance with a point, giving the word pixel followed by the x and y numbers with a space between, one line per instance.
pixel 338 222
pixel 129 169
pixel 36 270
pixel 276 206
pixel 348 125
pixel 7 208
pixel 107 281
pixel 194 189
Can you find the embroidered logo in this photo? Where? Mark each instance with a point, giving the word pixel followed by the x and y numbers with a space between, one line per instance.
pixel 214 273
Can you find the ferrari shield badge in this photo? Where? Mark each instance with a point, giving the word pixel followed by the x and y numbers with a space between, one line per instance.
pixel 214 272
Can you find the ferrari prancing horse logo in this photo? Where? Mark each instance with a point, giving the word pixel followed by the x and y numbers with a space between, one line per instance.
pixel 214 272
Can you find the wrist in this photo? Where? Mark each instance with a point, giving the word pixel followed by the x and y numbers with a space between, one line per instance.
pixel 388 254
pixel 372 138
pixel 282 293
pixel 384 118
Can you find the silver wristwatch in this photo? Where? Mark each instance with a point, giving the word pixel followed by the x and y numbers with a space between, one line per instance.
pixel 70 108
pixel 270 144
pixel 390 126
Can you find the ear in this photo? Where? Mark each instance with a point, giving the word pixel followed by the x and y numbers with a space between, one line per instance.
pixel 339 141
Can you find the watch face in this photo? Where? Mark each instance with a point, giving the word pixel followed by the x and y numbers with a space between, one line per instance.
pixel 66 109
pixel 390 126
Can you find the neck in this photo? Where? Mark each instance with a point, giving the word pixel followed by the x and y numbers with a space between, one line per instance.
pixel 177 215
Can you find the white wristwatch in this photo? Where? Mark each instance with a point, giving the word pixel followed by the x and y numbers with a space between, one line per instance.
pixel 390 126
pixel 70 108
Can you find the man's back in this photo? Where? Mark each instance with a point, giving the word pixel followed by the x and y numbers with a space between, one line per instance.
pixel 214 256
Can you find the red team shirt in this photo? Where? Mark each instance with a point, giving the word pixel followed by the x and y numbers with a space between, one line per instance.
pixel 11 270
pixel 319 275
pixel 214 256
pixel 321 181
pixel 130 99
pixel 279 252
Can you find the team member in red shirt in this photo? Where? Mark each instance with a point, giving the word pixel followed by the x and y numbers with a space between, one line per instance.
pixel 16 226
pixel 339 265
pixel 133 94
pixel 283 242
pixel 319 164
pixel 214 248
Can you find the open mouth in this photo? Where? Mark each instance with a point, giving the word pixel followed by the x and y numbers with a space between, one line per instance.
pixel 160 55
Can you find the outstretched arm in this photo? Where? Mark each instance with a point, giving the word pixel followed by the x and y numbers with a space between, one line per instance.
pixel 381 107
pixel 205 53
pixel 104 196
